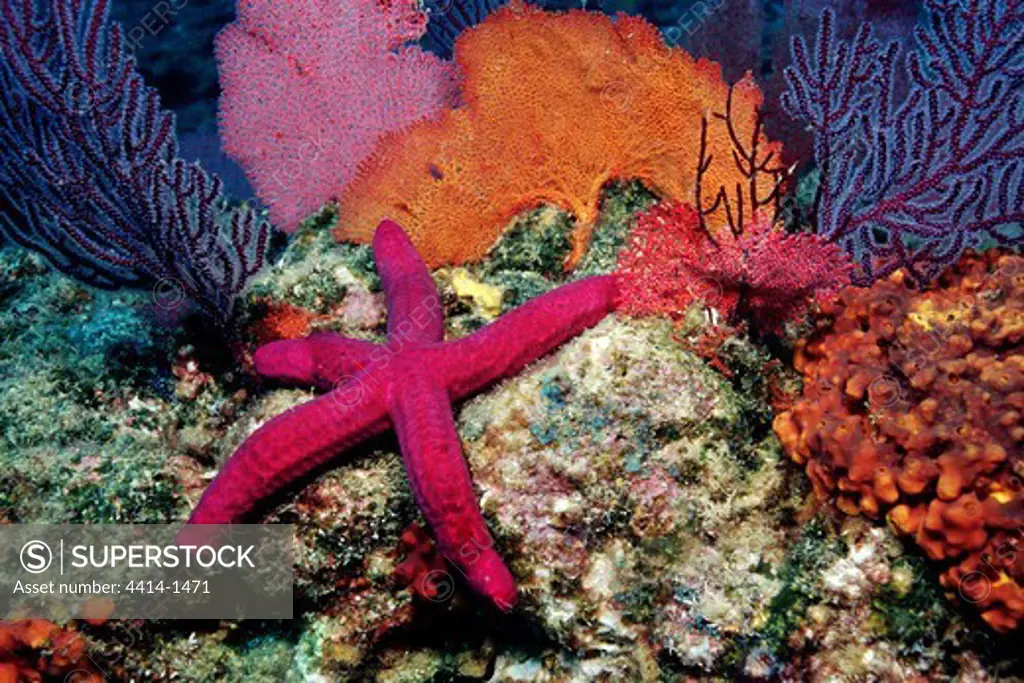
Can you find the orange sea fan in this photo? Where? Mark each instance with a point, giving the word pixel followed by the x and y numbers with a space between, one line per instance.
pixel 555 106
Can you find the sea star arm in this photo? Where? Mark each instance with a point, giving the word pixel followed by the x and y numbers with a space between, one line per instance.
pixel 441 483
pixel 525 334
pixel 414 308
pixel 323 359
pixel 289 447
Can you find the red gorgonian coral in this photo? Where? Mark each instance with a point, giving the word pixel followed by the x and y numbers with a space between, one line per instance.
pixel 761 273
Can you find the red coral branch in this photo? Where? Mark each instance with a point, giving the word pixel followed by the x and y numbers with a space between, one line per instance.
pixel 763 274
pixel 746 202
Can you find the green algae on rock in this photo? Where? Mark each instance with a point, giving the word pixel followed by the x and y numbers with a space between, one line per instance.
pixel 81 411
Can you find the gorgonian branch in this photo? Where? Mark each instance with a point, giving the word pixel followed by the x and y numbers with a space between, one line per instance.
pixel 89 174
pixel 911 184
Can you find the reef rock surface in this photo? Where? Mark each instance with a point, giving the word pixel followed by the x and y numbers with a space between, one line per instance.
pixel 639 495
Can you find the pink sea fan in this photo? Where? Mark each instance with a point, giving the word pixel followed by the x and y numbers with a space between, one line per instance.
pixel 762 274
pixel 308 88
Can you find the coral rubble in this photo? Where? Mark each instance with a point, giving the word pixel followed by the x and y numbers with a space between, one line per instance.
pixel 912 410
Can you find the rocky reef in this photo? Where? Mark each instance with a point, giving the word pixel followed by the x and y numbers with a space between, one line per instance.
pixel 86 401
pixel 639 495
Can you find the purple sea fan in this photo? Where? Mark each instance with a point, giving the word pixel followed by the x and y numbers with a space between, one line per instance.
pixel 913 183
pixel 89 174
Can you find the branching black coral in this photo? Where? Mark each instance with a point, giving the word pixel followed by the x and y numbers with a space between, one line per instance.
pixel 742 204
pixel 912 183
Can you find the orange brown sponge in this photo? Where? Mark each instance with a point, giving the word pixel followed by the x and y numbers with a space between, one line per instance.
pixel 282 320
pixel 912 409
pixel 37 650
pixel 555 106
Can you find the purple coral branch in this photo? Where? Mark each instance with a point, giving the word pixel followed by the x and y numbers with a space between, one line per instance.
pixel 89 174
pixel 912 184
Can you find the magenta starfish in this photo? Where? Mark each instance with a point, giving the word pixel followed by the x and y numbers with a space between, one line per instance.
pixel 408 383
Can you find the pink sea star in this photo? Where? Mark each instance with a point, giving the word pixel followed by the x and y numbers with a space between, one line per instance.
pixel 408 383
